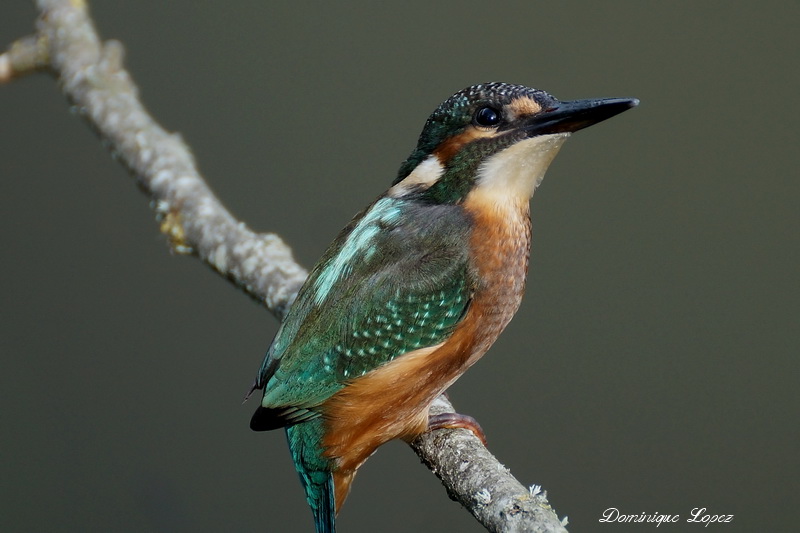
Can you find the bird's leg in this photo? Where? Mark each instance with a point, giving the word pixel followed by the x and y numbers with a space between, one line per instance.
pixel 455 421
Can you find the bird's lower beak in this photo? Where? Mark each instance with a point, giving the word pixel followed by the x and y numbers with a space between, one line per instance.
pixel 567 117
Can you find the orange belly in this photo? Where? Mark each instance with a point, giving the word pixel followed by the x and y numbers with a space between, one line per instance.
pixel 393 400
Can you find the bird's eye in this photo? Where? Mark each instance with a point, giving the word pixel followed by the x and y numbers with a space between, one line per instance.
pixel 487 116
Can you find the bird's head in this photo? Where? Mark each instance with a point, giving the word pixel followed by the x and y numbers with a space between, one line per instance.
pixel 494 136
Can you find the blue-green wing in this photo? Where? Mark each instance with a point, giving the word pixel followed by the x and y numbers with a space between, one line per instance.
pixel 396 279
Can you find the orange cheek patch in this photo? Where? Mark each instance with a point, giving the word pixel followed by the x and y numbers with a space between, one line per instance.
pixel 451 146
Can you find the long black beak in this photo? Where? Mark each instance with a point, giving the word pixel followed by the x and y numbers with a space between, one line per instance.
pixel 567 117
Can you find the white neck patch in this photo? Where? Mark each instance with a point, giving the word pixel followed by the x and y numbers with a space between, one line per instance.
pixel 425 174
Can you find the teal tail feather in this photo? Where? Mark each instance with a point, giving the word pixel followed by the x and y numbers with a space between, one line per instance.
pixel 305 443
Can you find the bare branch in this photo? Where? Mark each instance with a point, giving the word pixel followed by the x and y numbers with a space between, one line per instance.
pixel 195 222
pixel 25 56
pixel 475 478
pixel 102 91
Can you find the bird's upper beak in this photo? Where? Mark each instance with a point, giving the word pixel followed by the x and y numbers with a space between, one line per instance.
pixel 567 117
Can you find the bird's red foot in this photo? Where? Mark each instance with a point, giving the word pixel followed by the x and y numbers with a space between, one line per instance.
pixel 455 421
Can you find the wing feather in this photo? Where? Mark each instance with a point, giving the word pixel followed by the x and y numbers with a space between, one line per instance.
pixel 395 280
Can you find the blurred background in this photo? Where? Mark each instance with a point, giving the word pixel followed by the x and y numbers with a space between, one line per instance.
pixel 652 367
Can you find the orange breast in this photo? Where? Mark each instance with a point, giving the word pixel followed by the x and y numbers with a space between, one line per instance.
pixel 393 400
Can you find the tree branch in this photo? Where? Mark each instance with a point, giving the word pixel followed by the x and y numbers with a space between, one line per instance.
pixel 92 77
pixel 475 478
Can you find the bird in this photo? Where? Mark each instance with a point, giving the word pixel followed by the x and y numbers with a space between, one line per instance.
pixel 416 288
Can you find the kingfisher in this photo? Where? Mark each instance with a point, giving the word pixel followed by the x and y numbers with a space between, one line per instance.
pixel 416 288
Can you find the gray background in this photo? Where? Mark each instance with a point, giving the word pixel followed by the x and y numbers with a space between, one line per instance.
pixel 652 367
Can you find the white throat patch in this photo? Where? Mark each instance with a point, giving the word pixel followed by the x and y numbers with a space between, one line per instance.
pixel 515 172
